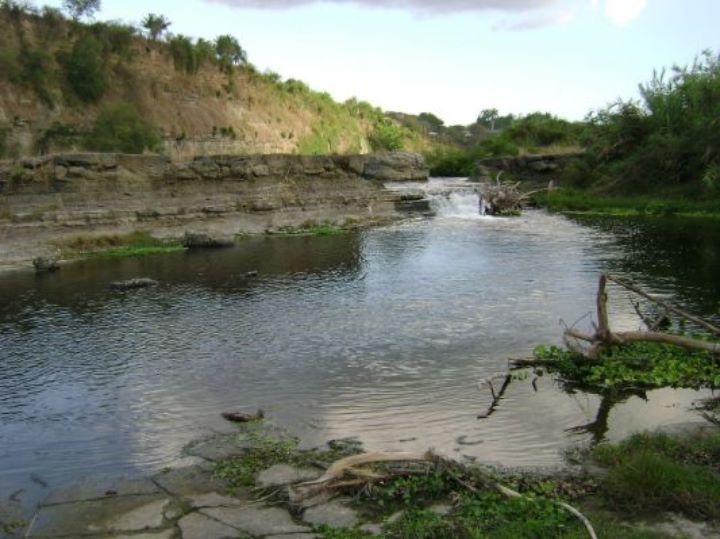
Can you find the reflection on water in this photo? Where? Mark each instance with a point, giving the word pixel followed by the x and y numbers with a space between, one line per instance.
pixel 381 334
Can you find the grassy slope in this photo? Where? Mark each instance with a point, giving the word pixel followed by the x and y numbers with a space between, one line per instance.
pixel 253 112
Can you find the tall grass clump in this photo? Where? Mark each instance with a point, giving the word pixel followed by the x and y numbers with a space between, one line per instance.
pixel 120 128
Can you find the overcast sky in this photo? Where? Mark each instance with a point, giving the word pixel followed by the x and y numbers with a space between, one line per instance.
pixel 454 57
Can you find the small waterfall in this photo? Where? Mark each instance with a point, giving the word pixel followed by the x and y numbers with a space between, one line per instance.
pixel 457 205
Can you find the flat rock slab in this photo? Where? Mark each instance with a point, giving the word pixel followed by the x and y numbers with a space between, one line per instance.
pixel 294 536
pixel 198 479
pixel 225 446
pixel 256 520
pixel 197 526
pixel 283 474
pixel 333 514
pixel 116 514
pixel 165 534
pixel 213 499
pixel 100 488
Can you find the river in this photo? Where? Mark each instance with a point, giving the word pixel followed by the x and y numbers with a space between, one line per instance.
pixel 381 334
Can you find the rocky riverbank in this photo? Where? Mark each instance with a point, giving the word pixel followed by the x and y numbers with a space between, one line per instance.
pixel 254 483
pixel 47 200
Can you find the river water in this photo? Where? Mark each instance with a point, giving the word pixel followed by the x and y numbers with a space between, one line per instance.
pixel 381 334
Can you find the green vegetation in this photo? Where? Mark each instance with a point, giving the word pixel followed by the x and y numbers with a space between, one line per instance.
pixel 387 136
pixel 117 246
pixel 155 25
pixel 575 200
pixel 81 8
pixel 533 133
pixel 668 143
pixel 85 69
pixel 120 128
pixel 657 472
pixel 635 365
pixel 229 52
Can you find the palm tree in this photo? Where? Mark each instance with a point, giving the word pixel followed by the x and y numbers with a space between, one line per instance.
pixel 155 25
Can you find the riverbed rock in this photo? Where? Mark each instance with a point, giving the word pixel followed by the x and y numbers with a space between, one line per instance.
pixel 198 526
pixel 46 264
pixel 133 284
pixel 96 488
pixel 202 240
pixel 191 480
pixel 259 521
pixel 117 514
pixel 223 446
pixel 284 474
pixel 396 167
pixel 333 514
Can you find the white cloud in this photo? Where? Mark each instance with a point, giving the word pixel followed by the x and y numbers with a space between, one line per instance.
pixel 536 21
pixel 435 6
pixel 622 12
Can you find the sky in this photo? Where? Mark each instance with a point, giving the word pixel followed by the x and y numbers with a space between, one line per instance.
pixel 454 57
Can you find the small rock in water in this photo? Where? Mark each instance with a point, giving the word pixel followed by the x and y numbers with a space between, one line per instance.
pixel 240 417
pixel 133 284
pixel 46 264
pixel 253 273
pixel 199 240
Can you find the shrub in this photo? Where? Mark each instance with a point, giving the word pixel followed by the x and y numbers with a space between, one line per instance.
pixel 229 53
pixel 184 54
pixel 387 136
pixel 85 70
pixel 120 128
pixel 35 66
pixel 115 37
pixel 4 134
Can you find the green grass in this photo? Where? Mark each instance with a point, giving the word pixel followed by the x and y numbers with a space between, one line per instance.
pixel 134 244
pixel 567 200
pixel 655 472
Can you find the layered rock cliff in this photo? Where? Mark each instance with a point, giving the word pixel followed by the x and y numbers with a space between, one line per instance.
pixel 51 197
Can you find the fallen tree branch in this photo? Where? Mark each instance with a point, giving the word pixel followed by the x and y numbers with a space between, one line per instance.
pixel 699 321
pixel 333 477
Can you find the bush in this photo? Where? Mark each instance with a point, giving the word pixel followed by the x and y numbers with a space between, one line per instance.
pixel 35 66
pixel 184 54
pixel 120 128
pixel 115 37
pixel 387 136
pixel 85 69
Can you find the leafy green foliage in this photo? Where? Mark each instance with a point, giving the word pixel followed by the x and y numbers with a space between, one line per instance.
pixel 120 128
pixel 85 69
pixel 387 136
pixel 636 364
pixel 155 25
pixel 654 472
pixel 669 139
pixel 229 52
pixel 34 69
pixel 184 54
pixel 81 8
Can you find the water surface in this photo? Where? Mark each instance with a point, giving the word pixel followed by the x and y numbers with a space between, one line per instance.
pixel 381 334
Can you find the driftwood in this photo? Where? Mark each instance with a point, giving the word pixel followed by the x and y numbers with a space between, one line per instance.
pixel 346 473
pixel 496 396
pixel 604 337
pixel 503 199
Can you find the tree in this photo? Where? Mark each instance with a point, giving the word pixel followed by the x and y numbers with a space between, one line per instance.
pixel 229 52
pixel 81 8
pixel 488 117
pixel 85 69
pixel 155 25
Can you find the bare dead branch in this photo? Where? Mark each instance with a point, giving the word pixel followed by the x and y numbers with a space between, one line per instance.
pixel 699 321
